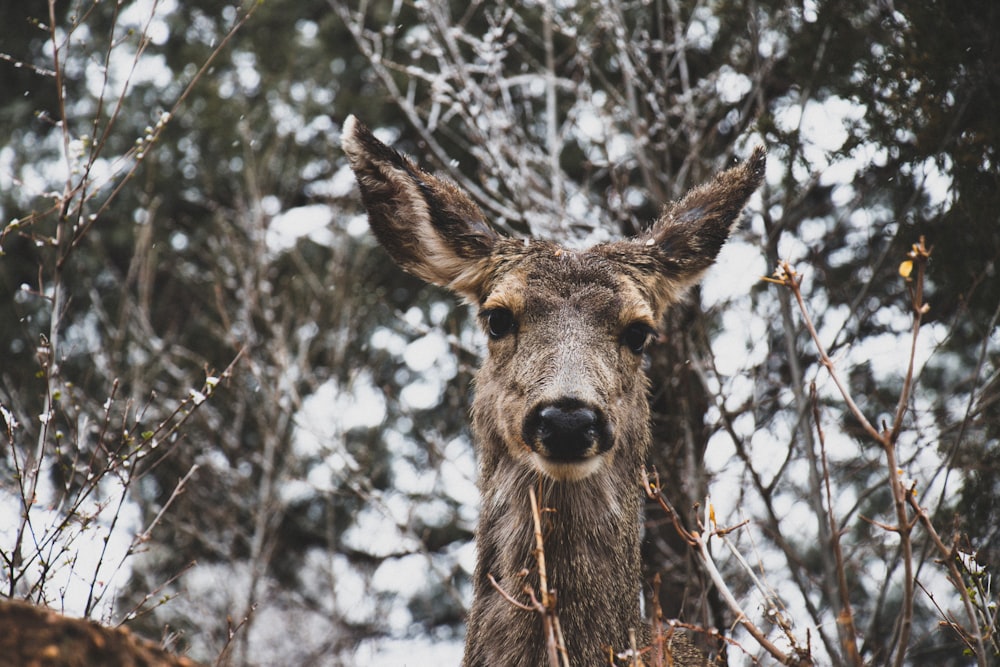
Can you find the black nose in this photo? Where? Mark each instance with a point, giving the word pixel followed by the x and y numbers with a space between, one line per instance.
pixel 566 430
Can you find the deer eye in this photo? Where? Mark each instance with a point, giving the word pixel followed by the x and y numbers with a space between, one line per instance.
pixel 499 322
pixel 636 335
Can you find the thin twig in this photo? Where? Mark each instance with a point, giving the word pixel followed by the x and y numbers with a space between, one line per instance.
pixel 948 557
pixel 139 154
pixel 845 619
pixel 902 496
pixel 553 632
pixel 507 596
pixel 178 490
pixel 699 541
pixel 543 581
pixel 135 612
pixel 734 605
pixel 788 277
pixel 231 632
pixel 551 121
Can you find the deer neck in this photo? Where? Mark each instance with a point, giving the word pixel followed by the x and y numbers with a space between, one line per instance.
pixel 590 529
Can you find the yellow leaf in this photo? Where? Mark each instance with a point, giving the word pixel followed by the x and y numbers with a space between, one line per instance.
pixel 906 268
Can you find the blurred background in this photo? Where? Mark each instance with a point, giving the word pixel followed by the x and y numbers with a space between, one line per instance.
pixel 229 420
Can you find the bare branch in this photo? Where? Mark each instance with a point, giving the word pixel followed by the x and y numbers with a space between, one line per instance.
pixel 845 618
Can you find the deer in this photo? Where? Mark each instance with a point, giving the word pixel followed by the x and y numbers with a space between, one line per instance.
pixel 560 401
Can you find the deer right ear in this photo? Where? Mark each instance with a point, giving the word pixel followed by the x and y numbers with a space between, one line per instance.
pixel 428 225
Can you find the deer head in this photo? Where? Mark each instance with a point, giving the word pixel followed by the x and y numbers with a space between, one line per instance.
pixel 562 383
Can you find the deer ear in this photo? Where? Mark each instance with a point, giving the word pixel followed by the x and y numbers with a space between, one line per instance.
pixel 427 224
pixel 689 235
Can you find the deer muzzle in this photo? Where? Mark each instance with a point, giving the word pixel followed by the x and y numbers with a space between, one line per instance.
pixel 567 431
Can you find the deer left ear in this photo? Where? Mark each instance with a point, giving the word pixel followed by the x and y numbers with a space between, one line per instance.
pixel 689 235
pixel 427 224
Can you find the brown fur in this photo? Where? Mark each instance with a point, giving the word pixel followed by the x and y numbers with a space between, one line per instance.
pixel 567 349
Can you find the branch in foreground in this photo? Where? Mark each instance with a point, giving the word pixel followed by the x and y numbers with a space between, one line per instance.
pixel 913 270
pixel 546 606
pixel 699 542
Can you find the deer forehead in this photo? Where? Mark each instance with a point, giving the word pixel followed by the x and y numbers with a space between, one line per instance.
pixel 555 281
